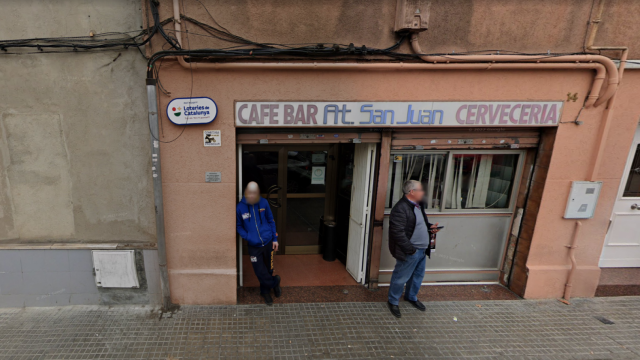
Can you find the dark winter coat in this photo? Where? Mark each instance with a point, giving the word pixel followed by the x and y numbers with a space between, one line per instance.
pixel 402 223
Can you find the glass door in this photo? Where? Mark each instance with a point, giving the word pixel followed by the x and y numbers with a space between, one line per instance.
pixel 262 165
pixel 307 170
pixel 297 180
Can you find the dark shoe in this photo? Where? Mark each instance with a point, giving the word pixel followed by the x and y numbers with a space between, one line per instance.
pixel 417 304
pixel 267 299
pixel 395 310
pixel 277 290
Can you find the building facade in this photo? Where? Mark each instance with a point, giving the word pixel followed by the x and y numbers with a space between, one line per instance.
pixel 519 119
pixel 75 173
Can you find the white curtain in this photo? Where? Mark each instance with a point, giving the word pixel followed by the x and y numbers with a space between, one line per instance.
pixel 500 183
pixel 472 183
pixel 477 197
pixel 471 172
pixel 454 183
pixel 429 174
pixel 436 165
pixel 478 180
pixel 397 184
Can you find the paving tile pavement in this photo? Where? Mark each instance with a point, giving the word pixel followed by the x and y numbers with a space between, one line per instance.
pixel 447 330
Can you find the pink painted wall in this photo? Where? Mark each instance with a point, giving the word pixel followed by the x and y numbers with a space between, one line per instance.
pixel 572 158
pixel 199 216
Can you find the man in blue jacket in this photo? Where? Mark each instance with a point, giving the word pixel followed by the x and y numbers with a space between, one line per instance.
pixel 254 223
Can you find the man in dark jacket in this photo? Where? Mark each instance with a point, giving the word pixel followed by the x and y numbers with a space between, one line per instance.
pixel 254 223
pixel 409 243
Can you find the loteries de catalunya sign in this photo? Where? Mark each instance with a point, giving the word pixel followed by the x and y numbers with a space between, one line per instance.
pixel 396 114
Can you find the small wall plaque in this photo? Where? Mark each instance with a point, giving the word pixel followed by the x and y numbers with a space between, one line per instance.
pixel 213 177
pixel 212 138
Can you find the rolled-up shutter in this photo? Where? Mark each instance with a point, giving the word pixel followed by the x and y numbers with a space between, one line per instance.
pixel 308 138
pixel 474 138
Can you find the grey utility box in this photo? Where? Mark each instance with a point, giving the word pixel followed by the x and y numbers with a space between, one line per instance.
pixel 583 199
pixel 412 15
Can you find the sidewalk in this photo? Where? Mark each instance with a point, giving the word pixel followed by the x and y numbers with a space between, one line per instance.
pixel 483 330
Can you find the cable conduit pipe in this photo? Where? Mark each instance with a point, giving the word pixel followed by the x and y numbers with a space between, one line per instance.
pixel 388 66
pixel 592 100
pixel 472 62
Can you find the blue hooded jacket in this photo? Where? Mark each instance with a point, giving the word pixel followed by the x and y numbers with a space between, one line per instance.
pixel 255 223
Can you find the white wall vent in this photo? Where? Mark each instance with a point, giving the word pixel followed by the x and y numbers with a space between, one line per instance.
pixel 115 268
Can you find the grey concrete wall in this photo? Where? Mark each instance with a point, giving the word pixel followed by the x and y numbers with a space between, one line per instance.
pixel 65 277
pixel 74 157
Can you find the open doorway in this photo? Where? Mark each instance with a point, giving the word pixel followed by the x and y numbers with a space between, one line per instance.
pixel 310 187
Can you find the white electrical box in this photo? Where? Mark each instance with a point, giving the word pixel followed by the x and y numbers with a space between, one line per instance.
pixel 583 199
pixel 115 268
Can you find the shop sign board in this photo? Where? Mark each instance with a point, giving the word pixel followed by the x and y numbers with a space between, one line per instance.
pixel 397 114
pixel 192 111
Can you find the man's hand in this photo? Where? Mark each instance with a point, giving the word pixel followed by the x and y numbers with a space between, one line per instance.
pixel 434 228
pixel 275 246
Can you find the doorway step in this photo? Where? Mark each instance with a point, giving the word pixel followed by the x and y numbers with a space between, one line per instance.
pixel 619 282
pixel 358 293
pixel 301 270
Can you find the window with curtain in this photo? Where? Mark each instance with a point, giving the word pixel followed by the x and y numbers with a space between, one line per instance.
pixel 481 181
pixel 429 169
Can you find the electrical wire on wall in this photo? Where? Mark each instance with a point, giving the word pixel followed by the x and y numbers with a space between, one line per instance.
pixel 157 72
pixel 100 41
pixel 240 48
pixel 244 48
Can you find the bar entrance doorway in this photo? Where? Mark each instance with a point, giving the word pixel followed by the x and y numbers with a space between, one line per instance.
pixel 311 190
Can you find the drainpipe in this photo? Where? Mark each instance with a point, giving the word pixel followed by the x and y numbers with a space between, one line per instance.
pixel 608 115
pixel 176 21
pixel 606 122
pixel 593 99
pixel 157 191
pixel 574 265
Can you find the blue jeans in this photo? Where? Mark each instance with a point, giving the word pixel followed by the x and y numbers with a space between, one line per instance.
pixel 410 272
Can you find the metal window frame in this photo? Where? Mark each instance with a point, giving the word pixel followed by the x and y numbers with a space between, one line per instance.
pixel 514 189
pixel 448 172
pixel 387 210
